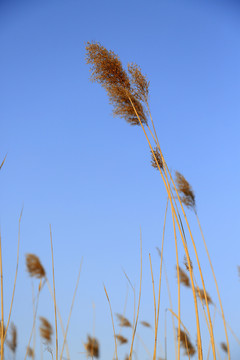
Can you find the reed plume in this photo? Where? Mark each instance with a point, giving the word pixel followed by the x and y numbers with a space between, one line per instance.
pixel 124 92
pixel 12 344
pixel 201 295
pixel 34 266
pixel 146 324
pixel 185 190
pixel 3 162
pixel 186 263
pixel 184 279
pixel 156 160
pixel 224 347
pixel 121 339
pixel 30 352
pixel 46 330
pixel 186 344
pixel 123 321
pixel 92 347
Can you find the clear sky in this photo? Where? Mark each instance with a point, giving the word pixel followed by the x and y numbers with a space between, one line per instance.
pixel 88 174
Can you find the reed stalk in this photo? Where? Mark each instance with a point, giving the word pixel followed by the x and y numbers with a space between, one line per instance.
pixel 54 296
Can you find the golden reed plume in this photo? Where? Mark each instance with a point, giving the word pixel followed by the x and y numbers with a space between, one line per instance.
pixel 46 330
pixel 34 266
pixel 123 89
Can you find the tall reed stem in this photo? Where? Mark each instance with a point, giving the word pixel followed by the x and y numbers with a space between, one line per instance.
pixel 54 294
pixel 2 322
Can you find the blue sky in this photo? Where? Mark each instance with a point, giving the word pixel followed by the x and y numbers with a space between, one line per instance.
pixel 88 174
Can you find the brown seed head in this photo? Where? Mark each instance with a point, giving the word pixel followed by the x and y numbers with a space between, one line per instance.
pixel 31 352
pixel 186 344
pixel 224 347
pixel 200 294
pixel 146 324
pixel 92 347
pixel 184 279
pixel 12 344
pixel 185 191
pixel 106 69
pixel 139 82
pixel 121 339
pixel 46 330
pixel 186 263
pixel 123 321
pixel 34 266
pixel 158 158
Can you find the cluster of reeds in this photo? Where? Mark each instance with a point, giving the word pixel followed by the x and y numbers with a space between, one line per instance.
pixel 128 92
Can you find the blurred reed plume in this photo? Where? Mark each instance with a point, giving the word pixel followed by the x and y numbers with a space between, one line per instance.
pixel 123 321
pixel 121 339
pixel 185 190
pixel 186 344
pixel 184 279
pixel 30 352
pixel 224 347
pixel 126 93
pixel 200 294
pixel 92 347
pixel 12 344
pixel 3 161
pixel 146 324
pixel 158 157
pixel 186 263
pixel 46 330
pixel 34 266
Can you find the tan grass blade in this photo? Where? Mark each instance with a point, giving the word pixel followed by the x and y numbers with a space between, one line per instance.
pixel 69 316
pixel 2 315
pixel 54 295
pixel 112 321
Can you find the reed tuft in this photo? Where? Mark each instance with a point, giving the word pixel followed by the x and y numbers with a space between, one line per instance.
pixel 185 190
pixel 92 347
pixel 200 294
pixel 46 330
pixel 184 279
pixel 121 339
pixel 186 344
pixel 30 353
pixel 159 161
pixel 125 94
pixel 12 344
pixel 34 266
pixel 146 324
pixel 224 347
pixel 123 322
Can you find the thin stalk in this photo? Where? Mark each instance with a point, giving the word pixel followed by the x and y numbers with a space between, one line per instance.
pixel 154 302
pixel 2 322
pixel 70 313
pixel 183 240
pixel 112 321
pixel 60 318
pixel 209 346
pixel 54 296
pixel 34 318
pixel 171 307
pixel 135 326
pixel 215 280
pixel 15 280
pixel 195 250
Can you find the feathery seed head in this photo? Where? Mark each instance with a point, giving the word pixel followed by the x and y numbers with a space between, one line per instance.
pixel 146 324
pixel 92 347
pixel 34 266
pixel 186 263
pixel 186 192
pixel 121 339
pixel 186 344
pixel 106 69
pixel 12 344
pixel 224 347
pixel 139 82
pixel 184 279
pixel 46 330
pixel 123 321
pixel 158 158
pixel 31 352
pixel 200 294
